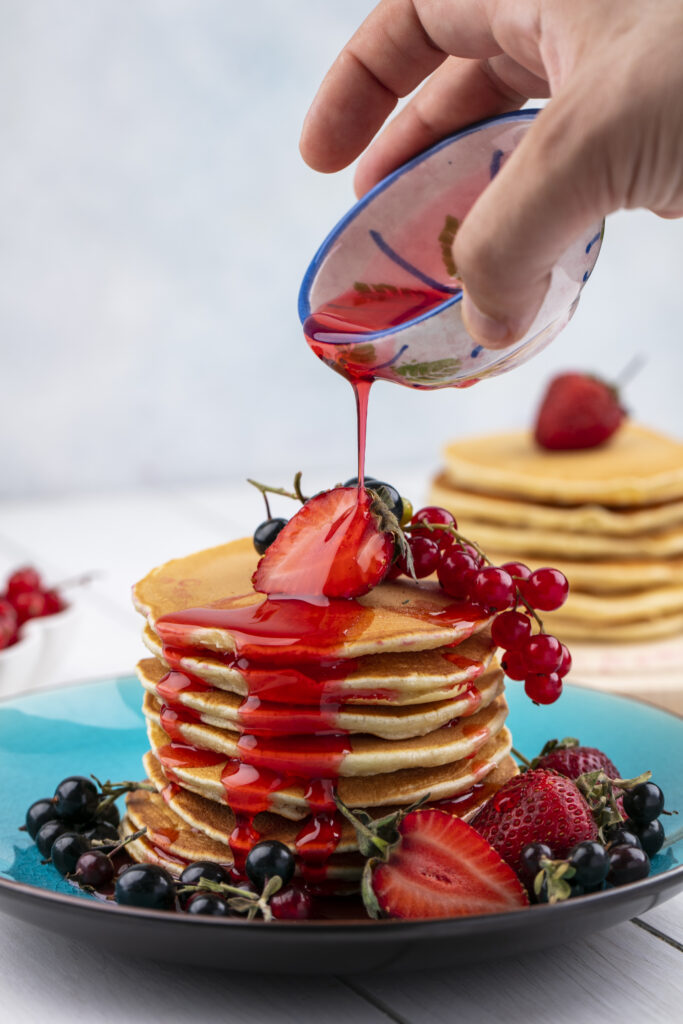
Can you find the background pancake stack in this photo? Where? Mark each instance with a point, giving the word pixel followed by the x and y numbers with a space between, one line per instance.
pixel 611 518
pixel 250 742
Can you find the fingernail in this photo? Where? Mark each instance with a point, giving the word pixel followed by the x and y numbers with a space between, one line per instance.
pixel 484 328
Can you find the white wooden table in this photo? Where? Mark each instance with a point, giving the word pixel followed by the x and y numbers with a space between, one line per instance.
pixel 633 971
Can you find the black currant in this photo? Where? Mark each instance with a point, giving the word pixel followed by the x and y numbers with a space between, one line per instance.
pixel 145 885
pixel 620 834
pixel 207 903
pixel 110 814
pixel 644 802
pixel 66 850
pixel 47 833
pixel 651 835
pixel 76 799
pixel 627 864
pixel 590 861
pixel 266 532
pixel 387 493
pixel 531 856
pixel 204 869
pixel 37 814
pixel 269 859
pixel 102 830
pixel 94 868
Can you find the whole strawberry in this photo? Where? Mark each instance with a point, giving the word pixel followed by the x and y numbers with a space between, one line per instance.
pixel 578 411
pixel 539 806
pixel 570 759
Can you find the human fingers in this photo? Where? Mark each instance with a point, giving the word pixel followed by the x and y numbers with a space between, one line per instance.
pixel 459 93
pixel 395 49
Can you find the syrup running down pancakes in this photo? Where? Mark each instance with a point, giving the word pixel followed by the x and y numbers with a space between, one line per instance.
pixel 259 710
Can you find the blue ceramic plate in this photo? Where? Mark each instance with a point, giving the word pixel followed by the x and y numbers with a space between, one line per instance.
pixel 98 728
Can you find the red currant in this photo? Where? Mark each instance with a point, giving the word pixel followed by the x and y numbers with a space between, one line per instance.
pixel 565 663
pixel 53 603
pixel 493 588
pixel 439 516
pixel 426 554
pixel 292 903
pixel 29 604
pixel 7 634
pixel 456 572
pixel 542 653
pixel 394 571
pixel 513 666
pixel 510 630
pixel 23 580
pixel 543 689
pixel 8 614
pixel 546 589
pixel 518 570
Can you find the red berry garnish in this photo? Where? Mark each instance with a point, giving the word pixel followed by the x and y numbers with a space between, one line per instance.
pixel 457 572
pixel 8 614
pixel 543 688
pixel 7 634
pixel 22 581
pixel 510 630
pixel 29 604
pixel 566 662
pixel 433 514
pixel 493 588
pixel 292 903
pixel 53 603
pixel 518 570
pixel 394 571
pixel 546 589
pixel 426 555
pixel 513 666
pixel 542 653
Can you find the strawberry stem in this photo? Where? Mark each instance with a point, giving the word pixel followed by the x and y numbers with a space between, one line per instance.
pixel 520 757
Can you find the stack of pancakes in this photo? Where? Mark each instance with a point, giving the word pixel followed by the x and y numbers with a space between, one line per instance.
pixel 611 518
pixel 406 701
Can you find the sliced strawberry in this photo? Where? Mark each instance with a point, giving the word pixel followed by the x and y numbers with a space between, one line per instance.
pixel 335 545
pixel 539 806
pixel 578 411
pixel 441 867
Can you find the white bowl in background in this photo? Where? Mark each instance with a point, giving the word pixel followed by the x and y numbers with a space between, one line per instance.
pixel 43 643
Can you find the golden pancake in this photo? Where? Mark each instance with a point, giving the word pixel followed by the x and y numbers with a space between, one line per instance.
pixel 589 518
pixel 621 608
pixel 222 710
pixel 390 788
pixel 596 577
pixel 616 632
pixel 396 616
pixel 638 467
pixel 363 754
pixel 548 544
pixel 187 827
pixel 402 678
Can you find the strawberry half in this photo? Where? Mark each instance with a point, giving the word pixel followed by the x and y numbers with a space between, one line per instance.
pixel 339 544
pixel 578 411
pixel 539 806
pixel 441 867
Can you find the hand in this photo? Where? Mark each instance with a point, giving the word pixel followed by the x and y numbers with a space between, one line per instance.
pixel 611 137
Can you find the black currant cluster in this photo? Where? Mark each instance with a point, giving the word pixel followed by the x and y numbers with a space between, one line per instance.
pixel 77 829
pixel 622 857
pixel 206 888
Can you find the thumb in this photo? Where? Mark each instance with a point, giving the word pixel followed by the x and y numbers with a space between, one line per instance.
pixel 552 188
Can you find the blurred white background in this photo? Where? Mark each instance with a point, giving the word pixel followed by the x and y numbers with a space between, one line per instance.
pixel 155 222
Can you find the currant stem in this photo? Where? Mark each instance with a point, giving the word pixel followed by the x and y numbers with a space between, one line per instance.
pixel 520 757
pixel 111 791
pixel 296 494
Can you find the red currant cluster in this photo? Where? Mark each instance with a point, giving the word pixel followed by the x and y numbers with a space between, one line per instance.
pixel 25 598
pixel 512 590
